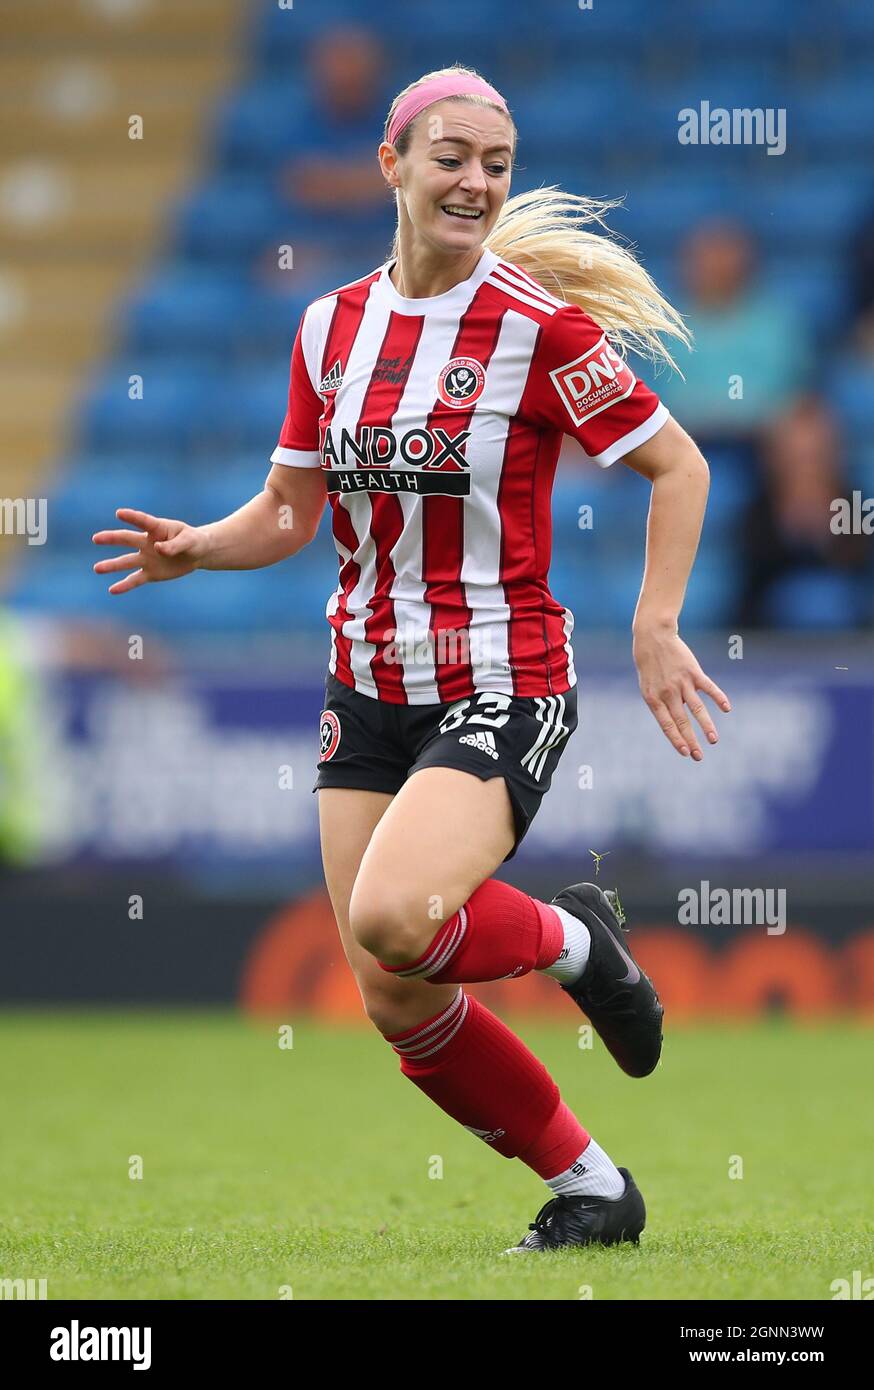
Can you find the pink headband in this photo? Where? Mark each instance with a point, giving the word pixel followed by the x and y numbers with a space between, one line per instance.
pixel 437 89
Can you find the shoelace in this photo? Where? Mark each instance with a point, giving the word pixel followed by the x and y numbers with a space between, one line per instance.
pixel 548 1222
pixel 541 1223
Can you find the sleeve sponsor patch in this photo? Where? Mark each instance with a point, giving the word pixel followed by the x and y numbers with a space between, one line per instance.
pixel 593 381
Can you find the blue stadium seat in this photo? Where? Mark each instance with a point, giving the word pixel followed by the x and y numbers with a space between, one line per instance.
pixel 214 493
pixel 732 488
pixel 855 24
pixel 730 79
pixel 659 211
pixel 581 585
pixel 273 600
pixel 185 310
pixel 657 111
pixel 86 501
pixel 253 406
pixel 816 284
pixel 815 600
pixel 623 23
pixel 178 404
pixel 851 392
pixel 836 115
pixel 713 590
pixel 618 592
pixel 723 26
pixel 569 115
pixel 218 320
pixel 262 123
pixel 230 219
pixel 812 209
pixel 58 584
pixel 280 34
pixel 860 466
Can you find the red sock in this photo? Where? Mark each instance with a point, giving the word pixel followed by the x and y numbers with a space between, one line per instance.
pixel 470 1064
pixel 498 932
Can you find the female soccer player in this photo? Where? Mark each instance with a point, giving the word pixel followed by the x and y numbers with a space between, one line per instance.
pixel 427 404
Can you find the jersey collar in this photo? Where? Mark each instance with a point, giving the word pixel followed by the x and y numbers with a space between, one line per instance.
pixel 457 298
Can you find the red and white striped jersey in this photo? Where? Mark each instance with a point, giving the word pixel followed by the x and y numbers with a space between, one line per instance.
pixel 438 423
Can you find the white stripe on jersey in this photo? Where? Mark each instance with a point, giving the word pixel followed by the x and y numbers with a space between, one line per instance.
pixel 506 270
pixel 347 409
pixel 412 612
pixel 634 439
pixel 316 322
pixel 568 629
pixel 345 555
pixel 481 567
pixel 297 458
pixel 522 292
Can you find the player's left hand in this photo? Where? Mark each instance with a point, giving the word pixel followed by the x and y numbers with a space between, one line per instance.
pixel 670 680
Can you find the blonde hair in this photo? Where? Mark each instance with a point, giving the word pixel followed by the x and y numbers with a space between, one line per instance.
pixel 548 233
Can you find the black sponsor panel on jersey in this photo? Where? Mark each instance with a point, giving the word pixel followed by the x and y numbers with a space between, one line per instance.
pixel 397 480
pixel 435 463
pixel 376 446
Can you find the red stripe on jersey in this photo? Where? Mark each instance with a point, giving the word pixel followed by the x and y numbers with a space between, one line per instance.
pixel 381 401
pixel 345 323
pixel 479 329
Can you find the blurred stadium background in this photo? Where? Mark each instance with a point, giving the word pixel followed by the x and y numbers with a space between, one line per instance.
pixel 177 182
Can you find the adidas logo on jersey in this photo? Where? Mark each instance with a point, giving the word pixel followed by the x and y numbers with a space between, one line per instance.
pixel 332 380
pixel 484 743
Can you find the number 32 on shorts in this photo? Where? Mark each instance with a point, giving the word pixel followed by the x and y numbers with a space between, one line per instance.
pixel 490 708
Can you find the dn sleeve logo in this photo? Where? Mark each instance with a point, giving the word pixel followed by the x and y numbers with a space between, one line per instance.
pixel 592 382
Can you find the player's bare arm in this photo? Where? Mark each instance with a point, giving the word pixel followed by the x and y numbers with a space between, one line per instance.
pixel 671 680
pixel 270 527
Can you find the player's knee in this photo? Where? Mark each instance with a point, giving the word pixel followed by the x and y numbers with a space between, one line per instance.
pixel 396 1006
pixel 387 1013
pixel 386 927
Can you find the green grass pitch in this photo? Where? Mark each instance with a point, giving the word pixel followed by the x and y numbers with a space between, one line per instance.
pixel 310 1171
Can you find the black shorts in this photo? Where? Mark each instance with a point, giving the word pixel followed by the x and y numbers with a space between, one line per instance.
pixel 373 745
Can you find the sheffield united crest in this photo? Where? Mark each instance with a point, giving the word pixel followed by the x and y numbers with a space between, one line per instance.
pixel 329 734
pixel 461 382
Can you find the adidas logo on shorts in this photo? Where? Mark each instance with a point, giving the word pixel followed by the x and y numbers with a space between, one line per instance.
pixel 485 743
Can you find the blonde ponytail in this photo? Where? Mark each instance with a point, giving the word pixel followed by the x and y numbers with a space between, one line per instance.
pixel 547 233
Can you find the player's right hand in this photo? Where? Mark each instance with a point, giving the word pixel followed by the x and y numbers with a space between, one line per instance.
pixel 163 549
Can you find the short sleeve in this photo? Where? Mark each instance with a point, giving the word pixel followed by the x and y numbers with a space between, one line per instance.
pixel 586 389
pixel 299 437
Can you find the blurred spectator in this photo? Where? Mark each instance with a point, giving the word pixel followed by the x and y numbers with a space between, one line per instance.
pixel 751 355
pixel 799 572
pixel 862 340
pixel 862 266
pixel 849 376
pixel 335 197
pixel 337 169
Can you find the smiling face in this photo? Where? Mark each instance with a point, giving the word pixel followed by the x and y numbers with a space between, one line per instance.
pixel 455 177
